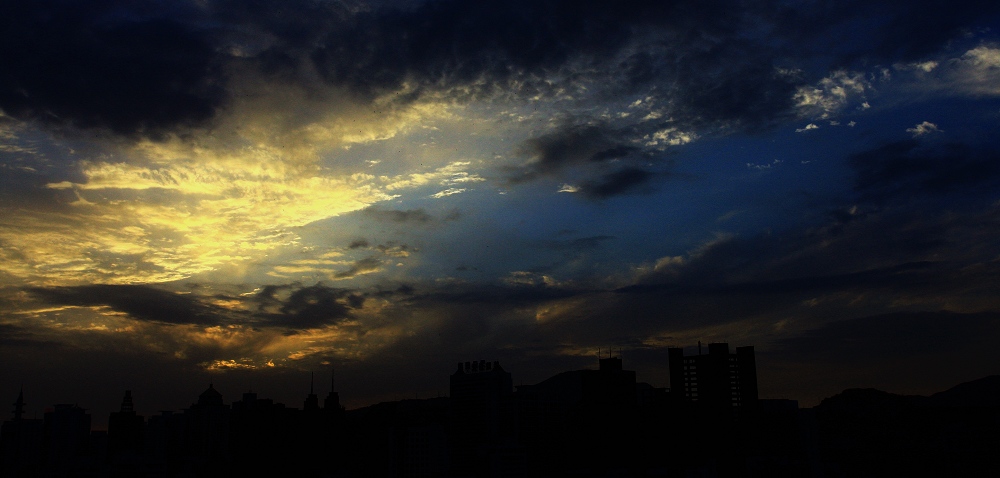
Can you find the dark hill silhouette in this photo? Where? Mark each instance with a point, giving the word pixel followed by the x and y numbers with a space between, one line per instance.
pixel 984 392
pixel 869 432
pixel 867 403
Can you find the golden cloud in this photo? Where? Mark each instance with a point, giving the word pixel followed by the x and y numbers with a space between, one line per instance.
pixel 223 199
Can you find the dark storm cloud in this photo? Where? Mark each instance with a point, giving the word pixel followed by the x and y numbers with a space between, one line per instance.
pixel 390 248
pixel 360 266
pixel 276 26
pixel 454 42
pixel 12 335
pixel 595 150
pixel 294 307
pixel 888 31
pixel 133 68
pixel 729 83
pixel 291 307
pixel 501 296
pixel 358 244
pixel 616 183
pixel 708 64
pixel 574 145
pixel 415 216
pixel 711 63
pixel 149 68
pixel 907 168
pixel 139 301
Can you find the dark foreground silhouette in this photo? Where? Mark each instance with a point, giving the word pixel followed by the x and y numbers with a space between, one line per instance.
pixel 578 423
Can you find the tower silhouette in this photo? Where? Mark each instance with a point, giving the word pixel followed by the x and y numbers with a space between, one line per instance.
pixel 125 430
pixel 19 405
pixel 20 442
pixel 312 401
pixel 332 401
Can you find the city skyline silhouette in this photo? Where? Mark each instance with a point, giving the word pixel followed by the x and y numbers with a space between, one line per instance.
pixel 245 193
pixel 600 422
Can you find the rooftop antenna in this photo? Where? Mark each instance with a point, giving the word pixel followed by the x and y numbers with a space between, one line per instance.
pixel 312 376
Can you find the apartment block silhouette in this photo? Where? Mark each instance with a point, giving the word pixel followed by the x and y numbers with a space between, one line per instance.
pixel 716 381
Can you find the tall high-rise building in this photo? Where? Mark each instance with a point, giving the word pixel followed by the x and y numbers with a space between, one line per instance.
pixel 206 425
pixel 481 396
pixel 480 393
pixel 125 429
pixel 311 403
pixel 331 404
pixel 718 380
pixel 67 436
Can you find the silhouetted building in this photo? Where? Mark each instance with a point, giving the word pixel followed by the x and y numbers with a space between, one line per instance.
pixel 125 431
pixel 418 435
pixel 579 420
pixel 19 406
pixel 311 403
pixel 207 427
pixel 67 437
pixel 483 421
pixel 579 391
pixel 165 439
pixel 20 442
pixel 719 381
pixel 332 402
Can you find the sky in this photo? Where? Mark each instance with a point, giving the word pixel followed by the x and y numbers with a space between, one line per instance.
pixel 244 192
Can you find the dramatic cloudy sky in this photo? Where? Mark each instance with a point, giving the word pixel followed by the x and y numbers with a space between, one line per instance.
pixel 245 191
